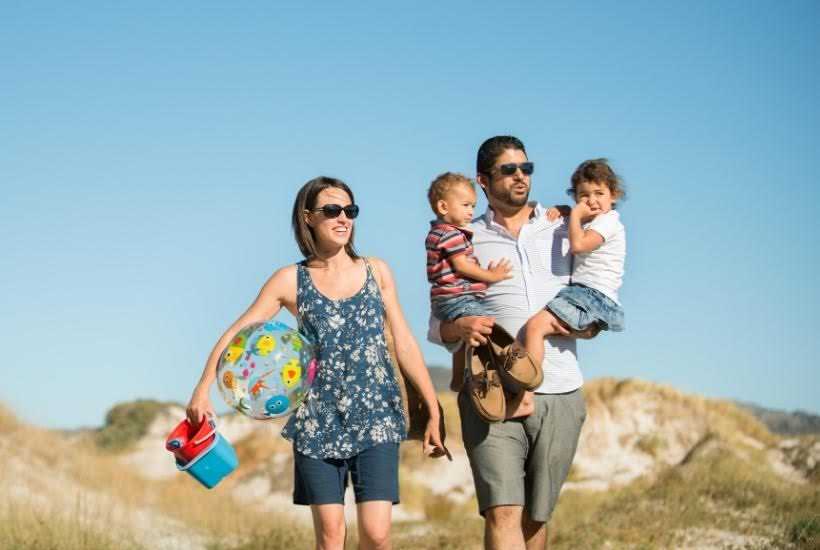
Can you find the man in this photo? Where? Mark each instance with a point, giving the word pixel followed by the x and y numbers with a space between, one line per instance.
pixel 519 464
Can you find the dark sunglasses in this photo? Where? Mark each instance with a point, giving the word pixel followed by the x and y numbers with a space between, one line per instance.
pixel 333 210
pixel 527 168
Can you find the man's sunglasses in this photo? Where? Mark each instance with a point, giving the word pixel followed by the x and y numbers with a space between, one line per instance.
pixel 333 210
pixel 527 168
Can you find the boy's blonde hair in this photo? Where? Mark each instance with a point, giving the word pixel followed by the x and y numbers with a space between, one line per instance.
pixel 443 184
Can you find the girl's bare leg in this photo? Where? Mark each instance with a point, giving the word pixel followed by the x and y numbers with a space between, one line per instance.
pixel 538 327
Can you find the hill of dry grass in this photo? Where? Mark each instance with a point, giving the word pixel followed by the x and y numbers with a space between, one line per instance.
pixel 656 469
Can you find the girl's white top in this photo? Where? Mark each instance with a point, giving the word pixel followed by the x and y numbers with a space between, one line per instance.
pixel 603 268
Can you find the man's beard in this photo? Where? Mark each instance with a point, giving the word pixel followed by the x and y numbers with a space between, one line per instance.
pixel 505 197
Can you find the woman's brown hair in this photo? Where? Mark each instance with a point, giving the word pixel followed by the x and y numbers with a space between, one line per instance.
pixel 306 200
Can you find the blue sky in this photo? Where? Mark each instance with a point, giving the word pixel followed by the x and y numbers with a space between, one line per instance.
pixel 150 155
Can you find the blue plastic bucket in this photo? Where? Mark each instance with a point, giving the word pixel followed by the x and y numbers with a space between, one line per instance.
pixel 213 464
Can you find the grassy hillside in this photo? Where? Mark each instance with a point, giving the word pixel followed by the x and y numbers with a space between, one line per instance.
pixel 58 492
pixel 127 423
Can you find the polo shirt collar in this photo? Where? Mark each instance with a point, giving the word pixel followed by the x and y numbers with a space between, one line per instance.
pixel 538 212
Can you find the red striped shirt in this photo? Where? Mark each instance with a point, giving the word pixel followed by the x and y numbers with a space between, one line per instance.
pixel 444 242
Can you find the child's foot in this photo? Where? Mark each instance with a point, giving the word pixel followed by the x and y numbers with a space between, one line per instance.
pixel 591 331
pixel 520 405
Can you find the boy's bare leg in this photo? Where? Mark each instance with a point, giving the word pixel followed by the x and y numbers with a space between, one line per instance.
pixel 457 379
pixel 520 404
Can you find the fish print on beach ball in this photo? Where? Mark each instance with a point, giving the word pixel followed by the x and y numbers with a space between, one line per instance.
pixel 266 370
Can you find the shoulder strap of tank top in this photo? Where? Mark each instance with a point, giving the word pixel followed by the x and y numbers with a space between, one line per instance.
pixel 369 267
pixel 301 272
pixel 373 271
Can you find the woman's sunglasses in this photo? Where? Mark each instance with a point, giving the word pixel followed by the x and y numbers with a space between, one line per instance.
pixel 527 168
pixel 333 210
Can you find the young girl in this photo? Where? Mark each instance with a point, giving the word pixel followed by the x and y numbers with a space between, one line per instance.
pixel 352 420
pixel 598 241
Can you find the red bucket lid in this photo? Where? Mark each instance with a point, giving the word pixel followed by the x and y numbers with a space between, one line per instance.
pixel 187 442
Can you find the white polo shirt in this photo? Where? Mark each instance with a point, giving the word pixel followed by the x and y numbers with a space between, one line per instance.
pixel 541 266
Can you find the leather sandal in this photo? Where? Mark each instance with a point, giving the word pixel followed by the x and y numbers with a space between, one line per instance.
pixel 516 367
pixel 484 385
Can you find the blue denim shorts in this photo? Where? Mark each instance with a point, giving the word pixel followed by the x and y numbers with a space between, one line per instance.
pixel 579 306
pixel 374 472
pixel 450 308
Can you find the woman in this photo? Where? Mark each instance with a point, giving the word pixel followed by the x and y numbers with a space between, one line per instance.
pixel 352 419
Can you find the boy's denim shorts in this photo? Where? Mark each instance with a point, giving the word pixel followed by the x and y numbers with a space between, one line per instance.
pixel 450 308
pixel 374 473
pixel 579 306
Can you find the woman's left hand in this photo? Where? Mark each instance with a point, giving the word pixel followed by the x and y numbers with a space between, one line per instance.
pixel 432 445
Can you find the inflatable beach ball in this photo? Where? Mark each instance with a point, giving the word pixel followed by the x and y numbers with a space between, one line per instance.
pixel 266 370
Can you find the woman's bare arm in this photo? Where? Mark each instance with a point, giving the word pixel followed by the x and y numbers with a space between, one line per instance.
pixel 409 354
pixel 278 291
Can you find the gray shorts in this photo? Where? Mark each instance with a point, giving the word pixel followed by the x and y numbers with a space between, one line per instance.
pixel 524 461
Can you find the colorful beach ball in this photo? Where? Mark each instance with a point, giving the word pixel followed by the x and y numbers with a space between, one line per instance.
pixel 266 370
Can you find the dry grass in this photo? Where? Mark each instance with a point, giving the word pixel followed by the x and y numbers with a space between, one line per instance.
pixel 25 524
pixel 715 489
pixel 89 472
pixel 24 528
pixel 420 498
pixel 651 444
pixel 8 421
pixel 724 418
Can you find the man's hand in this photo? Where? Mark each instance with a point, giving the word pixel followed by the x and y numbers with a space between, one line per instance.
pixel 474 330
pixel 500 270
pixel 555 212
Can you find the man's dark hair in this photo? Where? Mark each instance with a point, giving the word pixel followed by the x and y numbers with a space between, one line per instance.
pixel 491 149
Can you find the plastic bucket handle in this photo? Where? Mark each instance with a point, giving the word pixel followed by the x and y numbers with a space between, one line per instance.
pixel 208 434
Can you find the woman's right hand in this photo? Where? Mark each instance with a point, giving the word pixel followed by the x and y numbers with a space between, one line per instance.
pixel 199 407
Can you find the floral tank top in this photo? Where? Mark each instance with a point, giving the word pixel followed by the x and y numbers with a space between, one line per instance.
pixel 355 401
